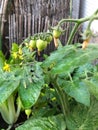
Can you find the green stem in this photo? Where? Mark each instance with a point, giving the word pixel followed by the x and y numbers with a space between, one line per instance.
pixel 77 24
pixel 68 20
pixel 91 20
pixel 4 112
pixel 80 21
pixel 63 99
pixel 11 107
pixel 73 33
pixel 7 110
pixel 18 109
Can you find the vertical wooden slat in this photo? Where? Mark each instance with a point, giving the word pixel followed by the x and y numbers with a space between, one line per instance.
pixel 17 24
pixel 35 25
pixel 33 21
pixel 25 25
pixel 20 28
pixel 9 29
pixel 39 23
pixel 43 23
pixel 29 24
pixel 14 32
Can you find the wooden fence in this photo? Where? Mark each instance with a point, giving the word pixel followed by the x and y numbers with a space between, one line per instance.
pixel 26 17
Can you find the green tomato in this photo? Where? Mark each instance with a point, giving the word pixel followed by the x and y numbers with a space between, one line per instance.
pixel 56 33
pixel 41 44
pixel 49 39
pixel 32 43
pixel 28 112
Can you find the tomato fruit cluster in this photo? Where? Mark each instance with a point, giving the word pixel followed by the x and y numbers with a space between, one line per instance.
pixel 39 41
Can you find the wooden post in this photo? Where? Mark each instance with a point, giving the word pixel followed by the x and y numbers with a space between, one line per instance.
pixel 3 20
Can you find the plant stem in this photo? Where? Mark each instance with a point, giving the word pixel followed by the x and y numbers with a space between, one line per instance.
pixel 77 24
pixel 18 109
pixel 80 21
pixel 67 20
pixel 7 110
pixel 4 112
pixel 63 99
pixel 94 16
pixel 72 34
pixel 11 108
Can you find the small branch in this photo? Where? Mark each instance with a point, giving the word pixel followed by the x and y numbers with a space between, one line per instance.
pixel 82 20
pixel 67 20
pixel 62 97
pixel 73 33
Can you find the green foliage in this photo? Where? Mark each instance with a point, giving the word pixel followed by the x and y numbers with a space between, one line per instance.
pixel 31 85
pixel 85 71
pixel 92 86
pixel 76 89
pixel 44 87
pixel 23 79
pixel 61 92
pixel 46 123
pixel 84 118
pixel 2 58
pixel 71 56
pixel 71 60
pixel 6 89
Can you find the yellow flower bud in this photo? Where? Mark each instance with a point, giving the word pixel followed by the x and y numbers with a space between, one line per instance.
pixel 15 55
pixel 6 67
pixel 20 51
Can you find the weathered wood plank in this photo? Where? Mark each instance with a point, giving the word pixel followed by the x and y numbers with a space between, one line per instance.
pixel 25 25
pixel 20 29
pixel 14 32
pixel 29 24
pixel 9 18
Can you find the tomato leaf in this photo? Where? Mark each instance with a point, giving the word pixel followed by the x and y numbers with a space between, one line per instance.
pixel 77 90
pixel 44 123
pixel 92 86
pixel 75 59
pixel 30 86
pixel 6 89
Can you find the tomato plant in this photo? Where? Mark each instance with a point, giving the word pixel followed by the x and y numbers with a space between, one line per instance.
pixel 32 44
pixel 41 44
pixel 57 94
pixel 56 33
